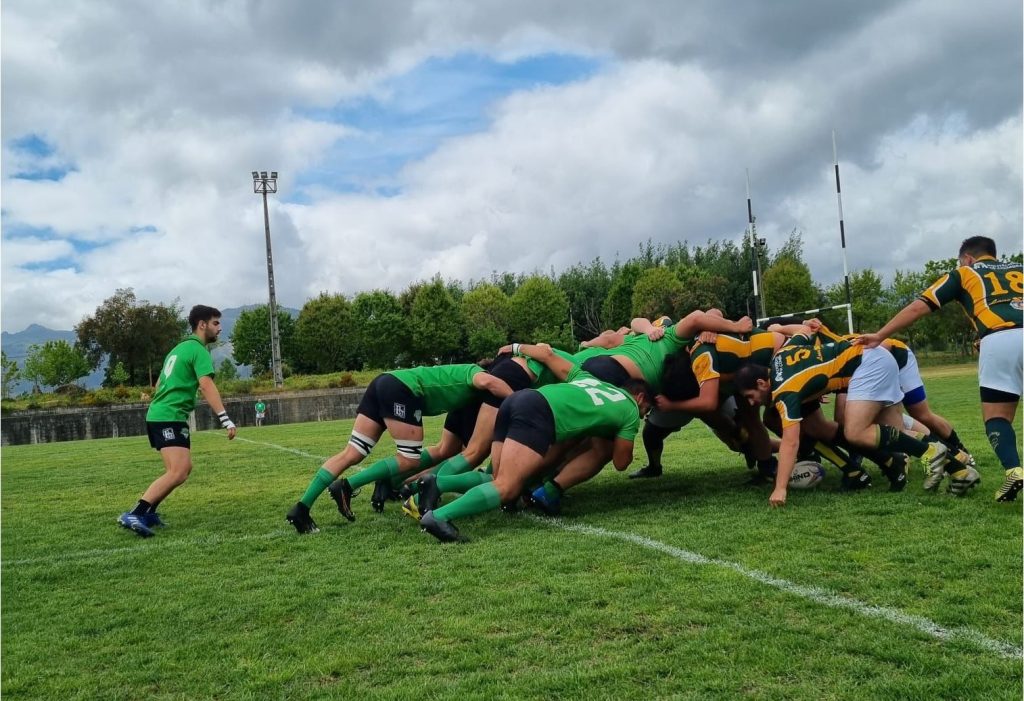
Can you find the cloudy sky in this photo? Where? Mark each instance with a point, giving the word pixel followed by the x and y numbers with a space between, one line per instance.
pixel 464 136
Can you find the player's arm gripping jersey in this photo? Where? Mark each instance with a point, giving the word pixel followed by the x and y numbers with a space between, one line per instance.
pixel 806 370
pixel 990 292
pixel 543 374
pixel 585 406
pixel 175 396
pixel 443 388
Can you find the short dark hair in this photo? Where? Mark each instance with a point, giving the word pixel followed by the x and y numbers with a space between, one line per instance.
pixel 201 312
pixel 747 376
pixel 635 386
pixel 978 246
pixel 678 382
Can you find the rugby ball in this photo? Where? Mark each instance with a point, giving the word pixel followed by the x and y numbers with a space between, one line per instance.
pixel 806 474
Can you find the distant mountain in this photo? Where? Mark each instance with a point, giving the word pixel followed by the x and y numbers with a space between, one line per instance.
pixel 15 345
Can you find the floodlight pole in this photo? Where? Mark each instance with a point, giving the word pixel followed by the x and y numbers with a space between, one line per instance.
pixel 262 184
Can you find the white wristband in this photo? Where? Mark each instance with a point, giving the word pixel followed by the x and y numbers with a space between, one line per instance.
pixel 515 349
pixel 225 422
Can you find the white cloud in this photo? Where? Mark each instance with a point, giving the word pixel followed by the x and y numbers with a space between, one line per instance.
pixel 164 109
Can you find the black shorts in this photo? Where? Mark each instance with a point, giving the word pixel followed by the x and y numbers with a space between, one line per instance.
pixel 462 421
pixel 388 398
pixel 526 418
pixel 168 434
pixel 607 369
pixel 512 373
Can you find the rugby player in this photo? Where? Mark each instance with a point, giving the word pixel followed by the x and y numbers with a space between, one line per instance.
pixel 805 369
pixel 395 401
pixel 991 292
pixel 535 424
pixel 186 368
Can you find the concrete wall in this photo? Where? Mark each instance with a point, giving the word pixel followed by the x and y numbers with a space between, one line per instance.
pixel 26 427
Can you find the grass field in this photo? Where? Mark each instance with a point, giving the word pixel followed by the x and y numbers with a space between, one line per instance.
pixel 682 587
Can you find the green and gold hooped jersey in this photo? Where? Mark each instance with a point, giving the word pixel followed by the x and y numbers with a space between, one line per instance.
pixel 807 368
pixel 990 292
pixel 175 396
pixel 585 406
pixel 721 359
pixel 443 388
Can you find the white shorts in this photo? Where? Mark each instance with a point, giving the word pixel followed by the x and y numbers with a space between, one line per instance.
pixel 1001 361
pixel 910 374
pixel 678 419
pixel 877 379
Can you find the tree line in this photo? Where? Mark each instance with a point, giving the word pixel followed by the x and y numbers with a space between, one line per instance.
pixel 443 321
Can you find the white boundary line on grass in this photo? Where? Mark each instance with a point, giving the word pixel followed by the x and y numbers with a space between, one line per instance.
pixel 815 594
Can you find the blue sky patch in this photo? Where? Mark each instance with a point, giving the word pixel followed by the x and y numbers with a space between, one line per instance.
pixel 42 160
pixel 412 114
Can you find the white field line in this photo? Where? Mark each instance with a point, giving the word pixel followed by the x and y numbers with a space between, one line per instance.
pixel 815 594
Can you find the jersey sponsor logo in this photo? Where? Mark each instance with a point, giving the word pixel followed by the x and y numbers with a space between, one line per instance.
pixel 399 410
pixel 168 434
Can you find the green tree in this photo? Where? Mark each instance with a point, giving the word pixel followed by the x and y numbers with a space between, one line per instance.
pixel 540 313
pixel 250 338
pixel 702 290
pixel 871 304
pixel 325 336
pixel 486 310
pixel 586 287
pixel 226 370
pixel 137 333
pixel 788 287
pixel 657 292
pixel 10 373
pixel 617 309
pixel 381 329
pixel 436 324
pixel 55 363
pixel 119 375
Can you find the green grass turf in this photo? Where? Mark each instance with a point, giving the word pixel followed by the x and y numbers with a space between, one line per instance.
pixel 229 603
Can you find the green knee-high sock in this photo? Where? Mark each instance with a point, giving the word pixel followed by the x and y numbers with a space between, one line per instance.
pixel 380 470
pixel 462 482
pixel 321 481
pixel 425 461
pixel 454 466
pixel 477 500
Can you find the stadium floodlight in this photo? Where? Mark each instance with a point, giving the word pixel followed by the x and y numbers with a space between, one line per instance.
pixel 262 184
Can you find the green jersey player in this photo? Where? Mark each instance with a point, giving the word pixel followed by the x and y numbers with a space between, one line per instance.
pixel 535 425
pixel 186 369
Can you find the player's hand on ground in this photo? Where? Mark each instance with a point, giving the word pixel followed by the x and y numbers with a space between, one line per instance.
pixel 744 325
pixel 708 337
pixel 778 497
pixel 655 333
pixel 232 432
pixel 868 340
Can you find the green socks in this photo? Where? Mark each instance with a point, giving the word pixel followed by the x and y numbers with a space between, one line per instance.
pixel 462 482
pixel 380 470
pixel 477 500
pixel 454 466
pixel 321 481
pixel 1004 442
